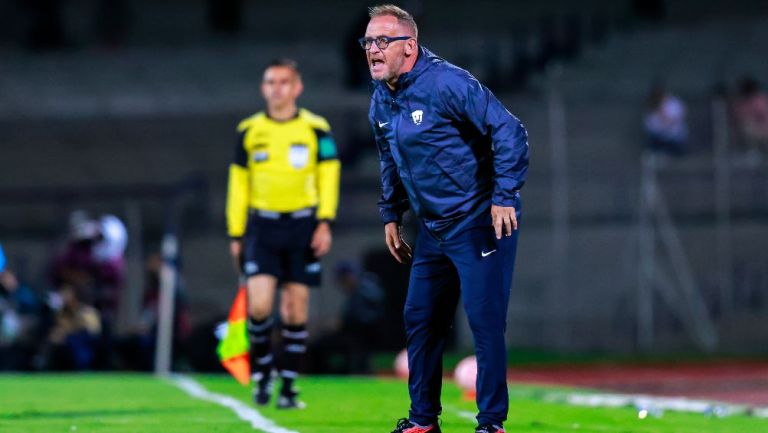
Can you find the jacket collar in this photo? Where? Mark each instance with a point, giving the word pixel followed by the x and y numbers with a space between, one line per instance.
pixel 424 61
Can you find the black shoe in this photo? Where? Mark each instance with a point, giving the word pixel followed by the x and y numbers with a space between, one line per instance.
pixel 262 387
pixel 290 400
pixel 489 428
pixel 406 426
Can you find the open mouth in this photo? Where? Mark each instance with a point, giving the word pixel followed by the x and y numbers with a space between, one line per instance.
pixel 376 62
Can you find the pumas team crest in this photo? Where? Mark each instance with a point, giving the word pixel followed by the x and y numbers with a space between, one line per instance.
pixel 417 117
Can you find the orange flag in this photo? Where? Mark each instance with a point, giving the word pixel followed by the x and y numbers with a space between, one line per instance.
pixel 233 346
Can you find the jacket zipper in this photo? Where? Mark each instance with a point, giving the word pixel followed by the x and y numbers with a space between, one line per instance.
pixel 396 125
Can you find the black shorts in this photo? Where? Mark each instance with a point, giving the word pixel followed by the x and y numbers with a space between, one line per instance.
pixel 281 248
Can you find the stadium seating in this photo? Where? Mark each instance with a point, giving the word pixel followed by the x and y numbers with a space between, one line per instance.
pixel 157 114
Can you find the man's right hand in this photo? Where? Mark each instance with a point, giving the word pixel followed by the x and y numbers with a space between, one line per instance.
pixel 235 250
pixel 400 250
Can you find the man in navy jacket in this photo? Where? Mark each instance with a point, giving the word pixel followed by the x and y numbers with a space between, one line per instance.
pixel 454 155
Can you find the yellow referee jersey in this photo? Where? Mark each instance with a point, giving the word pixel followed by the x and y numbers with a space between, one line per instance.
pixel 282 166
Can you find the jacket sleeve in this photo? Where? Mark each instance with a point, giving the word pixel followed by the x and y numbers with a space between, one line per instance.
pixel 468 100
pixel 394 200
pixel 328 175
pixel 238 190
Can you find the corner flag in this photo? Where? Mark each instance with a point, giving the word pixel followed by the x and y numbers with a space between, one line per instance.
pixel 233 346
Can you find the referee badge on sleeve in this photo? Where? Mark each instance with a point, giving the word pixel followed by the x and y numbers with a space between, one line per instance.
pixel 260 156
pixel 298 155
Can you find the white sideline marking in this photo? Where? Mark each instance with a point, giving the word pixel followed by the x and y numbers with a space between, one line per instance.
pixel 647 402
pixel 677 404
pixel 242 410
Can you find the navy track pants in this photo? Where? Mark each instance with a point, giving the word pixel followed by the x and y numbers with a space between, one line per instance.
pixel 475 266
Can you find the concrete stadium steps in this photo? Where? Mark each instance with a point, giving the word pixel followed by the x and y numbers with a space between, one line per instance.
pixel 111 151
pixel 689 58
pixel 597 309
pixel 174 65
pixel 604 145
pixel 180 22
pixel 139 81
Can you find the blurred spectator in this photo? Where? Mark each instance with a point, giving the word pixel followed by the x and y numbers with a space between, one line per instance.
pixel 137 349
pixel 109 249
pixel 93 260
pixel 751 113
pixel 19 319
pixel 92 264
pixel 73 340
pixel 665 122
pixel 352 343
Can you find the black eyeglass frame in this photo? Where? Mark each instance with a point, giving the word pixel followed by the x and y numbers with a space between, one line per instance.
pixel 378 40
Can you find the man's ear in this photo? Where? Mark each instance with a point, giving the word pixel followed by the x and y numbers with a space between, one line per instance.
pixel 410 47
pixel 299 87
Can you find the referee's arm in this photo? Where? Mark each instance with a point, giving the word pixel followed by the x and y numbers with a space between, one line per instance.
pixel 238 191
pixel 328 176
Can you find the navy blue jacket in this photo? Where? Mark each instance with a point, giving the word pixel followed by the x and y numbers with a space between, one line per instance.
pixel 448 148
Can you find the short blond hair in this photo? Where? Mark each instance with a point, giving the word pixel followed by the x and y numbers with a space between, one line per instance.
pixel 401 14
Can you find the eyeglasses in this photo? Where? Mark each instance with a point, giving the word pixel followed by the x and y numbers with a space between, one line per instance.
pixel 382 41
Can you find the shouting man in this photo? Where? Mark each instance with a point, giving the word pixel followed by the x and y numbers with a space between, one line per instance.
pixel 450 151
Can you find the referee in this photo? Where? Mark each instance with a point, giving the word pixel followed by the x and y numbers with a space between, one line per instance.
pixel 282 197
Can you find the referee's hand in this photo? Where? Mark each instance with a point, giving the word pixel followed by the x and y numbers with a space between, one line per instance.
pixel 399 249
pixel 321 239
pixel 235 250
pixel 503 218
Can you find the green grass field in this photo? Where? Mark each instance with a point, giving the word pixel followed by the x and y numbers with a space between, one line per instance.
pixel 142 404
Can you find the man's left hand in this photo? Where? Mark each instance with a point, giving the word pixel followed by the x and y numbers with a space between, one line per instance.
pixel 503 218
pixel 321 239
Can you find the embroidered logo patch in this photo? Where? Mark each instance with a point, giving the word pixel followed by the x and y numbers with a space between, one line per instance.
pixel 298 156
pixel 417 117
